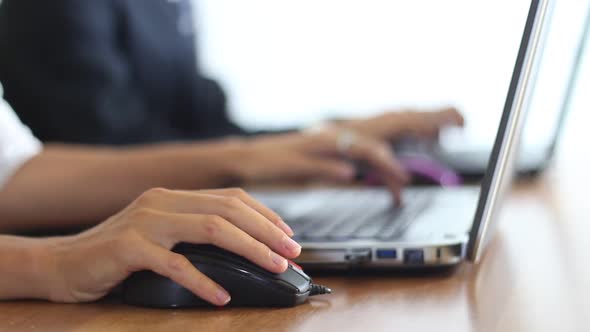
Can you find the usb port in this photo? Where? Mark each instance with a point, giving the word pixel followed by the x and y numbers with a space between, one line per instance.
pixel 414 256
pixel 386 253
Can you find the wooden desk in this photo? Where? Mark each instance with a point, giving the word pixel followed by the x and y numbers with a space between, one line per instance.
pixel 534 277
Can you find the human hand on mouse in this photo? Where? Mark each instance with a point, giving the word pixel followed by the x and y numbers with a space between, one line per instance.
pixel 85 267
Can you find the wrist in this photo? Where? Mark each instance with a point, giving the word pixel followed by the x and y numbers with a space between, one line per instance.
pixel 28 266
pixel 44 268
pixel 232 160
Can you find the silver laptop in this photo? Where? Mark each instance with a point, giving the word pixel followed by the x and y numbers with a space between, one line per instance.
pixel 344 227
pixel 472 161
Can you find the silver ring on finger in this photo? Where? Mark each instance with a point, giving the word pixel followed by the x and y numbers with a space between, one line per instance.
pixel 345 140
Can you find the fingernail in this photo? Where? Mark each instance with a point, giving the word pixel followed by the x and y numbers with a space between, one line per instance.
pixel 277 259
pixel 283 225
pixel 222 297
pixel 291 245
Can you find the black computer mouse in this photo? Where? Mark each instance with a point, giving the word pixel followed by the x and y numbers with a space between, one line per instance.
pixel 247 283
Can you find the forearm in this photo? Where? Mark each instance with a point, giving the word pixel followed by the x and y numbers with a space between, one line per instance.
pixel 73 186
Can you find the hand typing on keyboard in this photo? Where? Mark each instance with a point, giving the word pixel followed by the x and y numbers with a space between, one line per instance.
pixel 329 152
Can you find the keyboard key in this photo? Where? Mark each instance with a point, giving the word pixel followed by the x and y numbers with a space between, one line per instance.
pixel 373 227
pixel 340 214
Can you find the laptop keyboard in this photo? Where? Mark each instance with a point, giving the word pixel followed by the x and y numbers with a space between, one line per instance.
pixel 337 214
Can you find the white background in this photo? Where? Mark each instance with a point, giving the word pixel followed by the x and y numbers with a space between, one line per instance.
pixel 292 63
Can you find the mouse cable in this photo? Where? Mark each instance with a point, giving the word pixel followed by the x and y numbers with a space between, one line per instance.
pixel 319 290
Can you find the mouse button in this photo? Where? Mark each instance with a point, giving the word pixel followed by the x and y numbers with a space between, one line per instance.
pixel 237 262
pixel 211 254
pixel 232 262
pixel 191 248
pixel 241 281
pixel 227 272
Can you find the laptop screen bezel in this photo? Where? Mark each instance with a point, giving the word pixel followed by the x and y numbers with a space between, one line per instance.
pixel 502 154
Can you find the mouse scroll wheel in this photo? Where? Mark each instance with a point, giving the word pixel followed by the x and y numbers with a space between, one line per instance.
pixel 293 264
pixel 295 267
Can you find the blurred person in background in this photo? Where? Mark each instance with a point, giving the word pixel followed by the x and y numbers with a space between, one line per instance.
pixel 61 185
pixel 124 72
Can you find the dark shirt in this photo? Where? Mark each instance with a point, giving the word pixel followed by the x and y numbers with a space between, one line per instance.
pixel 108 72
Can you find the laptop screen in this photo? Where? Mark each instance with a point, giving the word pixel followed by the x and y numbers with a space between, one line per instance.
pixel 500 169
